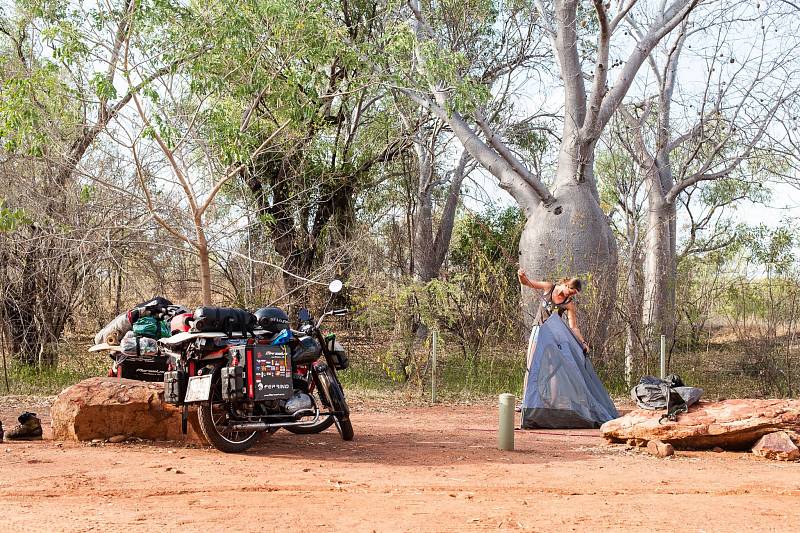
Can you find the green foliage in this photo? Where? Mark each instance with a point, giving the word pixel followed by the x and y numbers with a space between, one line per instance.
pixel 29 100
pixel 488 241
pixel 11 218
pixel 103 87
pixel 774 248
pixel 50 380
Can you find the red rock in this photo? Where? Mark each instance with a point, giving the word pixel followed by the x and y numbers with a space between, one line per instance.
pixel 104 407
pixel 730 424
pixel 778 446
pixel 660 449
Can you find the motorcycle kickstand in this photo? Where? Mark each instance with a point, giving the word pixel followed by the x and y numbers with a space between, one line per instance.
pixel 185 419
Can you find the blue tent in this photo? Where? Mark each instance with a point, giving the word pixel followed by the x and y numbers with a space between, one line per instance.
pixel 561 387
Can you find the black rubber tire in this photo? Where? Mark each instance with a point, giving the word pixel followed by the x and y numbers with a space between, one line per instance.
pixel 332 389
pixel 345 428
pixel 205 415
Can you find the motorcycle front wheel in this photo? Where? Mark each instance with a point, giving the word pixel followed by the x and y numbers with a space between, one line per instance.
pixel 214 417
pixel 333 396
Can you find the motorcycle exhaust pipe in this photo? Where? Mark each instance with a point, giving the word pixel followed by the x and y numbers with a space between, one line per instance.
pixel 263 426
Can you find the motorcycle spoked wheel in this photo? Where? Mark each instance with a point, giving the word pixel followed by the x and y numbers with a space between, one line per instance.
pixel 319 426
pixel 331 391
pixel 213 417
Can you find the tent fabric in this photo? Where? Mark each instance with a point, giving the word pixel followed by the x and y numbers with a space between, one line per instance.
pixel 561 387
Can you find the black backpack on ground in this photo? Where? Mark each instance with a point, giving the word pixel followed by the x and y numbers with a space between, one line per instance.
pixel 669 393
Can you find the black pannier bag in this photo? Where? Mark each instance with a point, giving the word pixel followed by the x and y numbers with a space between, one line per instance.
pixel 340 360
pixel 175 387
pixel 224 319
pixel 267 372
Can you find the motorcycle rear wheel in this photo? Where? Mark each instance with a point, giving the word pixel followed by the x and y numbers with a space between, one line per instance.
pixel 213 418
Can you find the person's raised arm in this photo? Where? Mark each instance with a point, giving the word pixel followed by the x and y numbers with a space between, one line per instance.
pixel 541 285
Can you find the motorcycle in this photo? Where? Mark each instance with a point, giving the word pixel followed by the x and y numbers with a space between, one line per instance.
pixel 247 383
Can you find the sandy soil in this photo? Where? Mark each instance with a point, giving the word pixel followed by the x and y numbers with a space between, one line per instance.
pixel 413 469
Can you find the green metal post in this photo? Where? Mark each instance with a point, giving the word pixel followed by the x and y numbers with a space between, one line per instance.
pixel 505 434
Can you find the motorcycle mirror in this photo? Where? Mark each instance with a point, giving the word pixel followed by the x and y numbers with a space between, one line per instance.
pixel 335 286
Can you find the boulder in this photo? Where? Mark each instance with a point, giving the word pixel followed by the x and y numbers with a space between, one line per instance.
pixel 105 407
pixel 777 446
pixel 730 424
pixel 660 449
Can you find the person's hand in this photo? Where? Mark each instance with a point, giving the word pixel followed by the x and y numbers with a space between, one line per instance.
pixel 585 346
pixel 523 278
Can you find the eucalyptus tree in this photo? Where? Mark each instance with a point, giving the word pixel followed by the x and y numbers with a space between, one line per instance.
pixel 700 140
pixel 432 181
pixel 270 62
pixel 60 89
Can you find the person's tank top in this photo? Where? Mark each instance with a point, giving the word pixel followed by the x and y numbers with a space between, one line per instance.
pixel 548 306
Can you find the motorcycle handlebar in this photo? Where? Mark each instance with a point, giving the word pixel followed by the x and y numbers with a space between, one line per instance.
pixel 337 312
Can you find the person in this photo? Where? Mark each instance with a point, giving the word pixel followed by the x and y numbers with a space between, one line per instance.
pixel 556 297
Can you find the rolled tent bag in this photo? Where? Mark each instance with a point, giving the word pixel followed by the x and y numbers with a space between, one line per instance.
pixel 563 390
pixel 113 332
pixel 133 345
pixel 223 319
pixel 670 394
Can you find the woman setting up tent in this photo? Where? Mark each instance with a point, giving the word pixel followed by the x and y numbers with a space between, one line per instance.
pixel 561 389
pixel 557 297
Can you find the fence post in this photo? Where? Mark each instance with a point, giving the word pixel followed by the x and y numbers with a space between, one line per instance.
pixel 434 338
pixel 663 356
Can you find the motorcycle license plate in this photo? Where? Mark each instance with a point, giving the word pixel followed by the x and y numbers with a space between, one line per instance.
pixel 198 389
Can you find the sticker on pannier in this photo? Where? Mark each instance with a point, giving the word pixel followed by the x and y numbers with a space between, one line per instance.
pixel 269 373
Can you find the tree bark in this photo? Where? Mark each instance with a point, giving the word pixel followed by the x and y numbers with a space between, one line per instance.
pixel 205 264
pixel 658 303
pixel 574 239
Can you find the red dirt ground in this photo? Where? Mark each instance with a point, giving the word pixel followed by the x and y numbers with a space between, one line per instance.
pixel 419 469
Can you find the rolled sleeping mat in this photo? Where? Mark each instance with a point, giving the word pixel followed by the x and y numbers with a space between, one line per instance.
pixel 113 332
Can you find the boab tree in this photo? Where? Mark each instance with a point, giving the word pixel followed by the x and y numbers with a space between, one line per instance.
pixel 566 230
pixel 707 141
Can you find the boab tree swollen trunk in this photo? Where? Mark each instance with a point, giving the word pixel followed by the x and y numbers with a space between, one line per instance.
pixel 566 232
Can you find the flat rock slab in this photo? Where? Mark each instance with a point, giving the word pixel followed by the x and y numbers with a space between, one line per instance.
pixel 730 424
pixel 105 407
